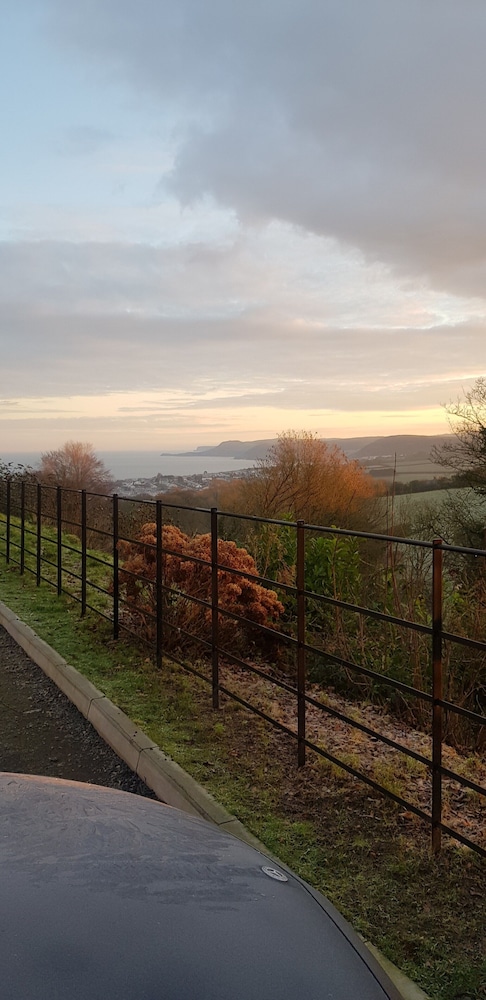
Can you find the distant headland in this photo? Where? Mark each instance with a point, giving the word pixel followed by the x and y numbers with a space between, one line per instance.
pixel 412 447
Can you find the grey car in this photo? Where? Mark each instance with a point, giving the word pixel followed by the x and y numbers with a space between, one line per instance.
pixel 105 894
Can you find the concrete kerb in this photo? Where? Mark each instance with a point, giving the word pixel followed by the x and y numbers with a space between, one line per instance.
pixel 409 990
pixel 169 782
pixel 118 731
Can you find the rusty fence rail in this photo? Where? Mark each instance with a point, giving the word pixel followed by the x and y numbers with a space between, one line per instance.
pixel 75 518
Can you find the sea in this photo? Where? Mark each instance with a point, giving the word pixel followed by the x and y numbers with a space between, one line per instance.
pixel 146 464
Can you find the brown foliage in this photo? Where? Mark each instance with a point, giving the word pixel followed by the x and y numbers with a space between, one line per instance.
pixel 238 595
pixel 303 477
pixel 222 493
pixel 226 495
pixel 75 466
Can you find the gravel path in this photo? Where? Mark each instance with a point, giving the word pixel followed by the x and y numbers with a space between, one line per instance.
pixel 41 732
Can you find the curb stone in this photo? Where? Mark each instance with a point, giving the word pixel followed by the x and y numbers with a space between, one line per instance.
pixel 409 990
pixel 169 782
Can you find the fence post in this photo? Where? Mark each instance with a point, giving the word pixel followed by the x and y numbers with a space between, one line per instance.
pixel 116 582
pixel 159 624
pixel 437 713
pixel 84 561
pixel 59 539
pixel 8 512
pixel 301 642
pixel 39 536
pixel 214 606
pixel 22 527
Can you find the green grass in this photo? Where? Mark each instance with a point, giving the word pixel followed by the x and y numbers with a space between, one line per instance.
pixel 427 915
pixel 99 564
pixel 405 504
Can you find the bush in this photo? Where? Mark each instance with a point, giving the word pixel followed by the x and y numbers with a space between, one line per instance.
pixel 184 579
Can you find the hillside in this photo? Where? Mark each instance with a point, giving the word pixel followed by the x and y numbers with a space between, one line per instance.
pixel 372 451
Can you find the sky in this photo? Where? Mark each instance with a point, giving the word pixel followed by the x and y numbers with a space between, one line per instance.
pixel 226 220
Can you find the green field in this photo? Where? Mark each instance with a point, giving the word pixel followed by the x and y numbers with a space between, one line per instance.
pixel 406 469
pixel 413 508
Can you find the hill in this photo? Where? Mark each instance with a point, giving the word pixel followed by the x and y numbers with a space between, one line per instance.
pixel 372 451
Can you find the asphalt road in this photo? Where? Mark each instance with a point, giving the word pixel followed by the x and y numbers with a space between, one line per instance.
pixel 42 733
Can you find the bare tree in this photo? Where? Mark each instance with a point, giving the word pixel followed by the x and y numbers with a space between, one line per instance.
pixel 75 466
pixel 305 478
pixel 465 454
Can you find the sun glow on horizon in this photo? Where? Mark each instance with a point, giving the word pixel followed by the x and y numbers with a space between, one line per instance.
pixel 151 420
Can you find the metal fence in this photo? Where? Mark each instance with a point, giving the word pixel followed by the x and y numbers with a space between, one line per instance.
pixel 65 537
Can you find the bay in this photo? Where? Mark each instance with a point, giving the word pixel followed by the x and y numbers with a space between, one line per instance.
pixel 145 464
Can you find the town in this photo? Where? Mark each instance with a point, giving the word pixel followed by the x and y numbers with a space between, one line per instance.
pixel 155 485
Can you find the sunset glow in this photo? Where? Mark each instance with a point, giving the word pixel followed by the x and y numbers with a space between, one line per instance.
pixel 222 227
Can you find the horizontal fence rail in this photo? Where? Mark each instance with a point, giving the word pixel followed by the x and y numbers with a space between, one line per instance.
pixel 74 541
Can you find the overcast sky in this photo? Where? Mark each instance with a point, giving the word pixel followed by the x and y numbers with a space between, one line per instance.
pixel 223 219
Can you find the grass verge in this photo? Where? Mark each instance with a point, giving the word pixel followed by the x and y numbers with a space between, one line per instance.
pixel 427 915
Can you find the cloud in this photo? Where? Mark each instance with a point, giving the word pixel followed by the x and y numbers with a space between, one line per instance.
pixel 276 271
pixel 244 359
pixel 360 122
pixel 274 209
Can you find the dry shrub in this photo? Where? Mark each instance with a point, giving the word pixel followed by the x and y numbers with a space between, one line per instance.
pixel 238 595
pixel 303 477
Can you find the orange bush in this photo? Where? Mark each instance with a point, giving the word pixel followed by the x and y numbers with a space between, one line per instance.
pixel 187 579
pixel 304 477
